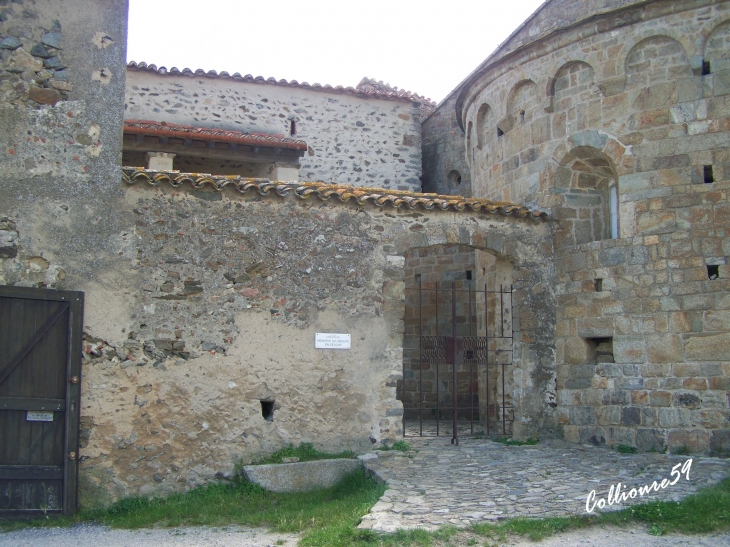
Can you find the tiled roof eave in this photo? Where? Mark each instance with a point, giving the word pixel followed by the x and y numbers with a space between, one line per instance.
pixel 147 127
pixel 323 191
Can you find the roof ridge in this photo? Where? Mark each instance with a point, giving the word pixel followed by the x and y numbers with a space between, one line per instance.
pixel 385 92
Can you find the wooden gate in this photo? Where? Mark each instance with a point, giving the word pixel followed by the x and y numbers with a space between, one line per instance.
pixel 40 371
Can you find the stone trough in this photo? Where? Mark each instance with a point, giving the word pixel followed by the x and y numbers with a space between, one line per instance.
pixel 300 476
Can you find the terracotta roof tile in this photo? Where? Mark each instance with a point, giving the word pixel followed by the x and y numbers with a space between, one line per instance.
pixel 324 192
pixel 364 88
pixel 149 127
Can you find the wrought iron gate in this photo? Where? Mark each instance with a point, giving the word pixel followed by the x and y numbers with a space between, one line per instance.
pixel 457 362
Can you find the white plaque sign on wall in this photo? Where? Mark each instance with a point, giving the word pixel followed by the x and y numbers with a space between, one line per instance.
pixel 331 340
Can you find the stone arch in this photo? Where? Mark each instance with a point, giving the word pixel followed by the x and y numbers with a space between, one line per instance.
pixel 632 41
pixel 572 78
pixel 658 58
pixel 559 64
pixel 716 48
pixel 521 103
pixel 572 90
pixel 485 121
pixel 589 195
pixel 610 146
pixel 515 252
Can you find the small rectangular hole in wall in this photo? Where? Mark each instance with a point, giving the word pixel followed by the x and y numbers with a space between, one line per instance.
pixel 499 132
pixel 418 279
pixel 468 275
pixel 713 271
pixel 267 410
pixel 292 127
pixel 706 69
pixel 709 175
pixel 598 284
pixel 602 349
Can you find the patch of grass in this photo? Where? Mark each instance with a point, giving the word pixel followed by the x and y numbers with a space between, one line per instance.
pixel 509 441
pixel 626 449
pixel 681 451
pixel 328 518
pixel 706 511
pixel 352 537
pixel 401 445
pixel 321 512
pixel 305 452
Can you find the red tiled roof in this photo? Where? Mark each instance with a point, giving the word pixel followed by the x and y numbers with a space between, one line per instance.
pixel 165 129
pixel 303 190
pixel 381 91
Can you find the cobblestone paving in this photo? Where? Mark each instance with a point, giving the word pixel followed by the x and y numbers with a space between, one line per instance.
pixel 439 484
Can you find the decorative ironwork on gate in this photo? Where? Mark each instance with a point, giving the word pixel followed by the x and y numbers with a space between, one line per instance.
pixel 457 366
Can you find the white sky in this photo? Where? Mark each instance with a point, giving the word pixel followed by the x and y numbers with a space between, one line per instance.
pixel 423 46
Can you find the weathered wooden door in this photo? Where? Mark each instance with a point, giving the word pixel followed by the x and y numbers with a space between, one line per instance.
pixel 40 372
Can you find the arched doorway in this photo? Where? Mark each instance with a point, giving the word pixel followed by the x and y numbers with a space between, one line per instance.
pixel 457 351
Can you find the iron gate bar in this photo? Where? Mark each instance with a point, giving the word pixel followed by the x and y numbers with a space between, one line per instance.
pixel 420 367
pixel 471 370
pixel 486 327
pixel 454 434
pixel 438 409
pixel 501 322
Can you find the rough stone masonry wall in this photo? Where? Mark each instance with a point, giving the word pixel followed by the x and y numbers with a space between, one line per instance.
pixel 231 293
pixel 445 170
pixel 637 99
pixel 207 318
pixel 351 140
pixel 201 306
pixel 61 91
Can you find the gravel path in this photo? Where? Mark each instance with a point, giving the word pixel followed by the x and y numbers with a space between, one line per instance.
pixel 233 536
pixel 621 537
pixel 102 536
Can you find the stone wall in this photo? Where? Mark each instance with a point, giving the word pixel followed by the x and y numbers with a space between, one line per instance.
pixel 445 170
pixel 619 125
pixel 220 333
pixel 352 139
pixel 202 303
pixel 199 338
pixel 61 117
